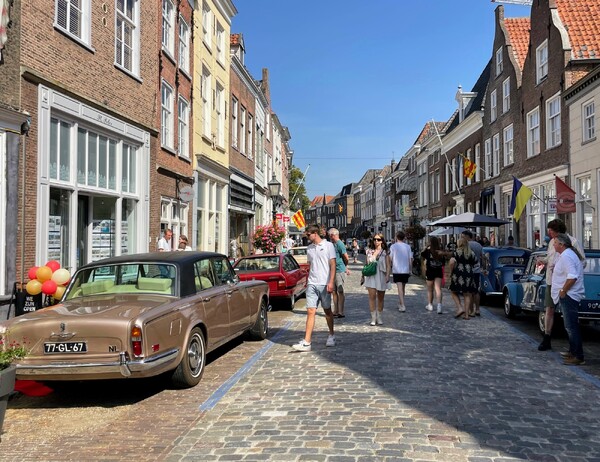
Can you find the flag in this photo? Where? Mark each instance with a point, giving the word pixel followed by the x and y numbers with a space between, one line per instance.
pixel 469 168
pixel 520 196
pixel 298 219
pixel 565 197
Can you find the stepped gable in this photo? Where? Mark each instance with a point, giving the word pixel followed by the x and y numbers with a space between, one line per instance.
pixel 582 21
pixel 518 35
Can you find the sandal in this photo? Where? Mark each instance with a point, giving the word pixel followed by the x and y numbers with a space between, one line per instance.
pixel 458 315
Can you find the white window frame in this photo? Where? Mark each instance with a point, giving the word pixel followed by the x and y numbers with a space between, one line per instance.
pixel 250 145
pixel 166 120
pixel 493 105
pixel 133 23
pixel 184 45
pixel 496 154
pixel 220 40
pixel 508 139
pixel 488 158
pixel 168 27
pixel 243 115
pixel 533 132
pixel 447 179
pixel 477 163
pixel 234 121
pixel 588 117
pixel 506 95
pixel 183 129
pixel 84 35
pixel 553 122
pixel 205 91
pixel 541 61
pixel 499 62
pixel 220 115
pixel 206 25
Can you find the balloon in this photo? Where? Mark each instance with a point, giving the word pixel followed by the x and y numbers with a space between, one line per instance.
pixel 60 276
pixel 33 287
pixel 60 290
pixel 32 271
pixel 53 265
pixel 43 273
pixel 49 287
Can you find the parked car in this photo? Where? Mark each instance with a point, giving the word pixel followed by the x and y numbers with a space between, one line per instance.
pixel 501 265
pixel 142 315
pixel 528 292
pixel 299 254
pixel 287 281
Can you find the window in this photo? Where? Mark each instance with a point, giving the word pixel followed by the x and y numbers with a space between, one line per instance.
pixel 447 179
pixel 166 116
pixel 508 146
pixel 60 150
pixel 496 154
pixel 477 163
pixel 468 156
pixel 220 109
pixel 533 133
pixel 127 36
pixel 460 171
pixel 183 144
pixel 184 45
pixel 128 174
pixel 174 215
pixel 589 121
pixel 541 55
pixel 96 160
pixel 234 122
pixel 243 130
pixel 553 122
pixel 493 106
pixel 506 95
pixel 488 158
pixel 206 22
pixel 73 17
pixel 206 109
pixel 250 137
pixel 220 44
pixel 168 27
pixel 499 61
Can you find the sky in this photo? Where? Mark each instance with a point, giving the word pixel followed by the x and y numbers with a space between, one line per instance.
pixel 356 81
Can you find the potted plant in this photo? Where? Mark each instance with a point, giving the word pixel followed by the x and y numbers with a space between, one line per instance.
pixel 266 238
pixel 10 351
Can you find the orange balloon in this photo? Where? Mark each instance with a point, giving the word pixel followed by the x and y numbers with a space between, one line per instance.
pixel 60 290
pixel 33 287
pixel 43 274
pixel 53 265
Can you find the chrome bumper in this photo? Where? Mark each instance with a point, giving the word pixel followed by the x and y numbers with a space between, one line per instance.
pixel 124 366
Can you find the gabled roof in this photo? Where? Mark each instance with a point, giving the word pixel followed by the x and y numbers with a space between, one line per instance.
pixel 368 176
pixel 429 130
pixel 318 200
pixel 582 20
pixel 518 37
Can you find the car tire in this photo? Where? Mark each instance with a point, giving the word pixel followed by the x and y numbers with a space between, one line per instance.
pixel 510 310
pixel 260 330
pixel 190 369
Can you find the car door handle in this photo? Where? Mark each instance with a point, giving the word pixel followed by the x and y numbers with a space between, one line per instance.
pixel 207 299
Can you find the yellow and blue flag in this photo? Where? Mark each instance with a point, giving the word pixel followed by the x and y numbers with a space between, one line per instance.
pixel 520 195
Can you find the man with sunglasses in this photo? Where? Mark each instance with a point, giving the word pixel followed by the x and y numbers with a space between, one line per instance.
pixel 321 257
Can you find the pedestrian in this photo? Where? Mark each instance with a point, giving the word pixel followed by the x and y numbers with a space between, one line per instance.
pixel 477 248
pixel 288 243
pixel 341 270
pixel 164 243
pixel 554 228
pixel 462 279
pixel 233 248
pixel 320 255
pixel 183 244
pixel 510 241
pixel 401 257
pixel 568 290
pixel 451 246
pixel 434 258
pixel 354 250
pixel 380 282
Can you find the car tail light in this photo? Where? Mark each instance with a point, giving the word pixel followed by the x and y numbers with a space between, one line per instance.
pixel 136 340
pixel 281 283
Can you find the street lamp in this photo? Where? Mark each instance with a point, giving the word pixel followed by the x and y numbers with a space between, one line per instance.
pixel 414 213
pixel 274 193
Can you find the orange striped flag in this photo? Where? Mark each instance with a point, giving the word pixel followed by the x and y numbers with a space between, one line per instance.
pixel 469 168
pixel 298 219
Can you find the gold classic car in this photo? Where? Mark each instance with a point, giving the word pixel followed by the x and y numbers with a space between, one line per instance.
pixel 138 316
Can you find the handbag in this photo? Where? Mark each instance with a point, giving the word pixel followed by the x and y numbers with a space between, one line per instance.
pixel 370 269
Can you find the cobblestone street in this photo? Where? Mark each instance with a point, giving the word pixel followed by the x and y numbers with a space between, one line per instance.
pixel 421 387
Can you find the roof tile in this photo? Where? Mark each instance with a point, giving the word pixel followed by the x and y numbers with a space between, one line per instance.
pixel 518 33
pixel 582 20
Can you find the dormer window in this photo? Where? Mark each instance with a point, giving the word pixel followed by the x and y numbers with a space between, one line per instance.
pixel 499 61
pixel 541 55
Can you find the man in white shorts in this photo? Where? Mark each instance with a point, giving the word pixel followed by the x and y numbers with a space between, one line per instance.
pixel 321 279
pixel 402 257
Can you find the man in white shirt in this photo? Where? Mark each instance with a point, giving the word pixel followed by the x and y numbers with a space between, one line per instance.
pixel 164 243
pixel 321 278
pixel 568 290
pixel 402 258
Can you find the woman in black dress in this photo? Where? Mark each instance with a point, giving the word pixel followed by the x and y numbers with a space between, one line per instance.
pixel 462 280
pixel 434 259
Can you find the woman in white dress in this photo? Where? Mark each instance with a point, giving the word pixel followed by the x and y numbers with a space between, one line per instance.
pixel 380 282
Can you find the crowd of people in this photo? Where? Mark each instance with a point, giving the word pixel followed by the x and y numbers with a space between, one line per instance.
pixel 386 264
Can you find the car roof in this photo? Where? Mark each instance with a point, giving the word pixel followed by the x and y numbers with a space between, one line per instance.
pixel 178 258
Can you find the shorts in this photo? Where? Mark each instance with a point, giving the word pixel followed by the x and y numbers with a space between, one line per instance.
pixel 548 297
pixel 434 273
pixel 340 280
pixel 316 294
pixel 401 277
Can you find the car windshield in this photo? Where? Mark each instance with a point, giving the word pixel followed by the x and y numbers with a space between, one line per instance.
pixel 510 260
pixel 155 278
pixel 298 251
pixel 258 264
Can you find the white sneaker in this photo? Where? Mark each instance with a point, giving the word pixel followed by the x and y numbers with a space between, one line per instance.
pixel 401 308
pixel 439 309
pixel 429 307
pixel 302 346
pixel 330 341
pixel 379 318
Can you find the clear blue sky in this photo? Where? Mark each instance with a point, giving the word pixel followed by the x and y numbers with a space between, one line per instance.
pixel 356 81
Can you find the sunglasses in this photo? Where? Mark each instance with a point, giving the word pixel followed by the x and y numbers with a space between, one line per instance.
pixel 377 239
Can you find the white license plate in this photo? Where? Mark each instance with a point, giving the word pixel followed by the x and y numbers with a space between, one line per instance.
pixel 65 347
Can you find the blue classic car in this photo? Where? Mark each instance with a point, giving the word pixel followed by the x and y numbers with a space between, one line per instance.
pixel 528 292
pixel 501 265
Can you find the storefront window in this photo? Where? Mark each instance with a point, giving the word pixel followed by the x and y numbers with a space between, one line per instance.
pixel 535 237
pixel 60 148
pixel 585 211
pixel 103 228
pixel 58 226
pixel 128 226
pixel 174 217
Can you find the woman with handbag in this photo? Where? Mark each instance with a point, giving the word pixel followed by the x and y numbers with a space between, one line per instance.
pixel 376 276
pixel 462 280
